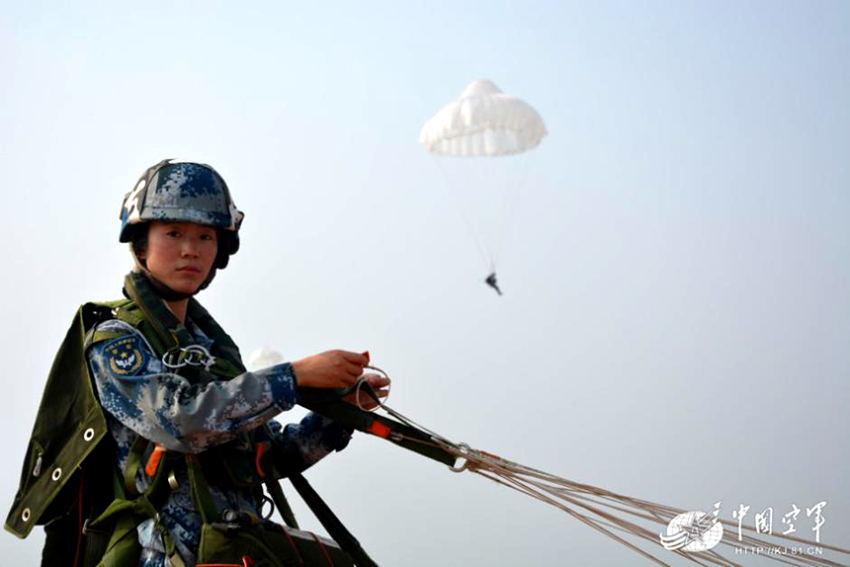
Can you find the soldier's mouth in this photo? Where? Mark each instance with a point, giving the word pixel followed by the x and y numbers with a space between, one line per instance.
pixel 189 269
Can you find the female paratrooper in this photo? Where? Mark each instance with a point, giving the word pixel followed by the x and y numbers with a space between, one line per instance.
pixel 153 441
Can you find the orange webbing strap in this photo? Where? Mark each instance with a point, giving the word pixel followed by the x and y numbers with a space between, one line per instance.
pixel 154 459
pixel 378 429
pixel 258 458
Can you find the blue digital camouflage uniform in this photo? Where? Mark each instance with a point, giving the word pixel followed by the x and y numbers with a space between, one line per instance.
pixel 142 396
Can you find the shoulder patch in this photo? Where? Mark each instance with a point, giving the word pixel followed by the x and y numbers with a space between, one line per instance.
pixel 125 356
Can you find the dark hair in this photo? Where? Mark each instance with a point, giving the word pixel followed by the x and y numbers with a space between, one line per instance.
pixel 139 244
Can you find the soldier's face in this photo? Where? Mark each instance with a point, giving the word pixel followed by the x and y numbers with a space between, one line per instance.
pixel 180 254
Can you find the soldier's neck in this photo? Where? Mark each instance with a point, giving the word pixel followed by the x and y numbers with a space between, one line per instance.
pixel 178 307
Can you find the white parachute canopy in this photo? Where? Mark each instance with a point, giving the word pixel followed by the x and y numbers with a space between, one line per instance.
pixel 483 122
pixel 263 358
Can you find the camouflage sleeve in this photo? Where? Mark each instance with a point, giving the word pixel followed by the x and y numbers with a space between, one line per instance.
pixel 139 391
pixel 303 444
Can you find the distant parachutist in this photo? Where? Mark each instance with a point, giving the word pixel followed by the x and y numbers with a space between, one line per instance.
pixel 484 126
pixel 491 281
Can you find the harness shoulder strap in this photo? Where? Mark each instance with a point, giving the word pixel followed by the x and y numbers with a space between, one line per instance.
pixel 95 313
pixel 281 503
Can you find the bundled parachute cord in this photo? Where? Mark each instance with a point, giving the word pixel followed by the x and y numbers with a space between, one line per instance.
pixel 603 510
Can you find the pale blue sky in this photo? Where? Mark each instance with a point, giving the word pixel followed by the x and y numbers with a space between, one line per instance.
pixel 675 318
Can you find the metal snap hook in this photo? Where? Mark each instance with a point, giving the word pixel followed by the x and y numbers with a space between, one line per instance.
pixel 464 450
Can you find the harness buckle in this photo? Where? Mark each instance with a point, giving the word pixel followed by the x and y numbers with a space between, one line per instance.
pixel 192 355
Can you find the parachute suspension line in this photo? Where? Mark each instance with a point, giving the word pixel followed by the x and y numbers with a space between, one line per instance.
pixel 471 186
pixel 603 510
pixel 462 209
pixel 511 204
pixel 563 494
pixel 489 259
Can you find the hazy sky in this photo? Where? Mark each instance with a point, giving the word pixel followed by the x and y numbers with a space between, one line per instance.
pixel 676 269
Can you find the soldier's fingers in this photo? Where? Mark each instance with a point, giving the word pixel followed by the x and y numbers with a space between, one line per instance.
pixel 377 380
pixel 353 370
pixel 355 358
pixel 382 393
pixel 346 381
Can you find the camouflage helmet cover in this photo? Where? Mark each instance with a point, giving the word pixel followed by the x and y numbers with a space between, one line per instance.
pixel 180 191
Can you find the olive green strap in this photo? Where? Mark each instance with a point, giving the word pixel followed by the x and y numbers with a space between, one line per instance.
pixel 163 322
pixel 273 486
pixel 169 333
pixel 201 496
pixel 134 462
pixel 123 515
pixel 227 358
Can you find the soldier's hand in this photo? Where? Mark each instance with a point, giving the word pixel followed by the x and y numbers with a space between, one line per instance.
pixel 330 369
pixel 381 386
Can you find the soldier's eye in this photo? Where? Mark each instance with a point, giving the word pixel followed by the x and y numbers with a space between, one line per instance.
pixel 173 233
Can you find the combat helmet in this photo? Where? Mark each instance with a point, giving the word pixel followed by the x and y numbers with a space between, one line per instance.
pixel 182 191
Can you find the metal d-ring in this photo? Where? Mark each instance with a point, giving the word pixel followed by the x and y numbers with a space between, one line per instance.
pixel 463 448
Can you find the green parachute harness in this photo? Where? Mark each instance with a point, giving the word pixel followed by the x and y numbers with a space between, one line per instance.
pixel 67 462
